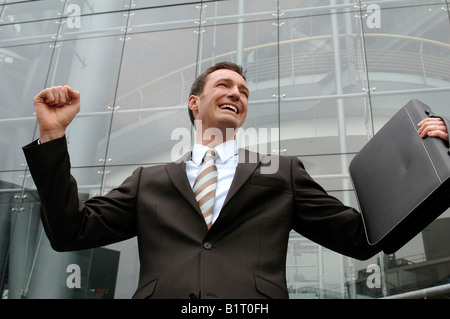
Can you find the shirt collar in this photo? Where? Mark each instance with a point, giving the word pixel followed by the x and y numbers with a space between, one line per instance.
pixel 225 151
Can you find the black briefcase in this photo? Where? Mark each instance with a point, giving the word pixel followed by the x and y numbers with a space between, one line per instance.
pixel 401 181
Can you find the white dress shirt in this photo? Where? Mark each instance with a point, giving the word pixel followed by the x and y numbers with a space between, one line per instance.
pixel 226 163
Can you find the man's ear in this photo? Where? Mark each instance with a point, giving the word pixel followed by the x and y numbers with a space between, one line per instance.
pixel 193 102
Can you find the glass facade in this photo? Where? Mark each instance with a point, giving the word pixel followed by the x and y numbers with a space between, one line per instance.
pixel 324 76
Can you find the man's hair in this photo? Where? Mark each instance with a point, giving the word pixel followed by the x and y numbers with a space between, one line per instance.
pixel 199 83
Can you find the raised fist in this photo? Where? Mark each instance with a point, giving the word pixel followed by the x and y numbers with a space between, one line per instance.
pixel 55 107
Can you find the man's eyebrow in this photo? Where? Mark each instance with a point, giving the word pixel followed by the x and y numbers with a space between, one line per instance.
pixel 242 86
pixel 245 88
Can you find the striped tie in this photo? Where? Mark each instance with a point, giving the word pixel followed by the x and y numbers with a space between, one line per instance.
pixel 205 186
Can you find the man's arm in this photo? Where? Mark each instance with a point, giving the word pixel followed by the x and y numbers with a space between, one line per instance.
pixel 326 220
pixel 71 224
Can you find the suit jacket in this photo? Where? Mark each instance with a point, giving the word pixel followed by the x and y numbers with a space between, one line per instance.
pixel 243 254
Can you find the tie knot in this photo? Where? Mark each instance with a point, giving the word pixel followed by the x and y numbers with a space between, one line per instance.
pixel 210 155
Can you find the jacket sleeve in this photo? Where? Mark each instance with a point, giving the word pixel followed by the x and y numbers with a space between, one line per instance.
pixel 325 220
pixel 70 223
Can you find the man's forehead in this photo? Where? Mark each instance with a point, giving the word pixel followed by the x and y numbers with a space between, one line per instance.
pixel 226 74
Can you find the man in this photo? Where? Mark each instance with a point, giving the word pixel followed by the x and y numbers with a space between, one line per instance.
pixel 238 249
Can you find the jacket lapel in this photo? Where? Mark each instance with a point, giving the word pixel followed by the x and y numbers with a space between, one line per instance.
pixel 177 174
pixel 248 161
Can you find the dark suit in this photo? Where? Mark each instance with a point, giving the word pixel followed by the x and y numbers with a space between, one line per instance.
pixel 243 255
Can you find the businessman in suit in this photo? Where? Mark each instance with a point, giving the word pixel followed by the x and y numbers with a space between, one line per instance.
pixel 239 249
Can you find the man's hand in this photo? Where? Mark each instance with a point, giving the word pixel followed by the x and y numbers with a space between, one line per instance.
pixel 55 107
pixel 433 127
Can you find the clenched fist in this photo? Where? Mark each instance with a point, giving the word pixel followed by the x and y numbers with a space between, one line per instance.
pixel 55 107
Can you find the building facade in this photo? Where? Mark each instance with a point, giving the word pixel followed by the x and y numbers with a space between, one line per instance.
pixel 324 77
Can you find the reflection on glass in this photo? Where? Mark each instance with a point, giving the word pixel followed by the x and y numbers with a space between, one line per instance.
pixel 23 71
pixel 31 11
pixel 90 7
pixel 93 26
pixel 165 18
pixel 408 56
pixel 317 127
pixel 299 8
pixel 151 102
pixel 95 77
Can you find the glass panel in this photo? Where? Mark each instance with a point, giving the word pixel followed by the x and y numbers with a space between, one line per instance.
pixel 302 268
pixel 165 18
pixel 90 66
pixel 157 71
pixel 324 126
pixel 408 56
pixel 126 267
pixel 11 184
pixel 233 11
pixel 260 132
pixel 423 262
pixel 23 74
pixel 386 105
pixel 89 180
pixel 300 8
pixel 32 261
pixel 31 11
pixel 398 3
pixel 5 235
pixel 128 264
pixel 315 272
pixel 331 172
pixel 15 134
pixel 28 33
pixel 115 175
pixel 321 56
pixel 90 26
pixel 89 7
pixel 324 107
pixel 139 4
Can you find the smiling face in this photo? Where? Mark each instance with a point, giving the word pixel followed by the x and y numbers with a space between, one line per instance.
pixel 223 102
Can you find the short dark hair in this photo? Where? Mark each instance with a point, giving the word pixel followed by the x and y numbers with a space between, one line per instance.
pixel 199 83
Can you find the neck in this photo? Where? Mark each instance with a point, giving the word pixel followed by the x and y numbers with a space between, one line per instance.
pixel 211 137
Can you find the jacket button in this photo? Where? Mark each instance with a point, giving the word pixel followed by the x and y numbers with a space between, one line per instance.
pixel 207 245
pixel 192 296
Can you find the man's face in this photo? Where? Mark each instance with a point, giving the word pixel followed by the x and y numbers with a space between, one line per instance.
pixel 223 103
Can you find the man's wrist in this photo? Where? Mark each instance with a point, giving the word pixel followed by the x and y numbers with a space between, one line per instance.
pixel 40 140
pixel 49 136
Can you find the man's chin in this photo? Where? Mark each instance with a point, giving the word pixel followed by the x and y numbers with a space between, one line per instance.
pixel 224 124
pixel 230 124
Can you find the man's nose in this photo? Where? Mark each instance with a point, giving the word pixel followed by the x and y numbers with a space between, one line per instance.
pixel 234 93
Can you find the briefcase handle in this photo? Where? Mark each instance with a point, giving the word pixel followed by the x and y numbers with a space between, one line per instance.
pixel 446 122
